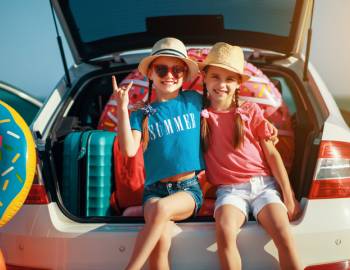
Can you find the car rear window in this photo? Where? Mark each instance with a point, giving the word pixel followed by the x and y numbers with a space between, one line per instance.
pixel 102 19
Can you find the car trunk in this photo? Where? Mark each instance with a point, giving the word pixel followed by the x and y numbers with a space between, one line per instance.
pixel 280 35
pixel 87 100
pixel 82 110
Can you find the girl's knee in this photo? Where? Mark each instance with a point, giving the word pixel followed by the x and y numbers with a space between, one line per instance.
pixel 227 223
pixel 226 228
pixel 156 210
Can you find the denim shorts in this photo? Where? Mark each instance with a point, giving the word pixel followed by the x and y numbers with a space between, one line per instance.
pixel 251 196
pixel 164 189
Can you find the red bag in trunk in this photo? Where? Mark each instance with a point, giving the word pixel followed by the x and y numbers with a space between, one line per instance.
pixel 129 179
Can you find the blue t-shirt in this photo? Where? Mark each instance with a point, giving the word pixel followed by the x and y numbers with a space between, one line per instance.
pixel 174 132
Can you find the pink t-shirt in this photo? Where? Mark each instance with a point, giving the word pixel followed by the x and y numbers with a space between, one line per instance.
pixel 226 165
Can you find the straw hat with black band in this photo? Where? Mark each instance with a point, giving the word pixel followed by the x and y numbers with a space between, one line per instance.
pixel 169 47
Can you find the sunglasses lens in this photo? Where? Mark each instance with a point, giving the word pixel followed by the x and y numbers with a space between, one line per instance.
pixel 176 71
pixel 161 70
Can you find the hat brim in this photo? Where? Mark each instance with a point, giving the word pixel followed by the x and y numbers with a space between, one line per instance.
pixel 193 69
pixel 244 77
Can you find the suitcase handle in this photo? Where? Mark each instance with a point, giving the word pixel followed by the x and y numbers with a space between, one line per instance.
pixel 83 142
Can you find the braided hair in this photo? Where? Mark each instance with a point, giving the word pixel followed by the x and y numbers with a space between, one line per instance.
pixel 145 132
pixel 238 125
pixel 205 130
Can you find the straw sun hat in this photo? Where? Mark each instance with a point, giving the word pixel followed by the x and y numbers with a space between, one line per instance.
pixel 226 56
pixel 170 47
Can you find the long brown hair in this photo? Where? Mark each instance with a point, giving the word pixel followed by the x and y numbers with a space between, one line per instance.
pixel 238 129
pixel 238 134
pixel 205 130
pixel 145 132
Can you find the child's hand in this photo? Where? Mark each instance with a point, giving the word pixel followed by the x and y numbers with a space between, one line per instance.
pixel 274 133
pixel 122 93
pixel 293 208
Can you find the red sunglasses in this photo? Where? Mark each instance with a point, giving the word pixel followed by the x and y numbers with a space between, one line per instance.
pixel 177 71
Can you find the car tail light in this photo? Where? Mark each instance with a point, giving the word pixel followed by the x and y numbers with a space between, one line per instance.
pixel 343 265
pixel 37 193
pixel 332 177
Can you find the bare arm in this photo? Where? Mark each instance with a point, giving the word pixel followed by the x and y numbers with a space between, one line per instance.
pixel 274 133
pixel 129 140
pixel 275 162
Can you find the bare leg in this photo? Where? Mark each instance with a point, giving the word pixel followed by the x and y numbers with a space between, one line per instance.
pixel 2 262
pixel 157 214
pixel 228 220
pixel 274 219
pixel 159 258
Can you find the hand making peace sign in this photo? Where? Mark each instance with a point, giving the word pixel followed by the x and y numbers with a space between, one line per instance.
pixel 122 93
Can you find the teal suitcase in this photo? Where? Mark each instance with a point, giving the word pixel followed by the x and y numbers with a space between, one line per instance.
pixel 87 181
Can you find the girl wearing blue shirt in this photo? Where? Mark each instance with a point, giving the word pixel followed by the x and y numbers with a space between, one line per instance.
pixel 169 132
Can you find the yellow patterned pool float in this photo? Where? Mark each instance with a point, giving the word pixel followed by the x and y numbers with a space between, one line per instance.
pixel 17 162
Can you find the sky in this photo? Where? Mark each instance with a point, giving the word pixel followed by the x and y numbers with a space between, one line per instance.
pixel 330 47
pixel 29 54
pixel 30 59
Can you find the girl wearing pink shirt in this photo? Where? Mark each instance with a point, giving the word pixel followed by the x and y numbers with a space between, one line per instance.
pixel 242 162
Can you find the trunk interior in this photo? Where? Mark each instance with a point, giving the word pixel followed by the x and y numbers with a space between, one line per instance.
pixel 90 97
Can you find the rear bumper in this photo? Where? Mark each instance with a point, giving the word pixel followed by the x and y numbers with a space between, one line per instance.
pixel 40 236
